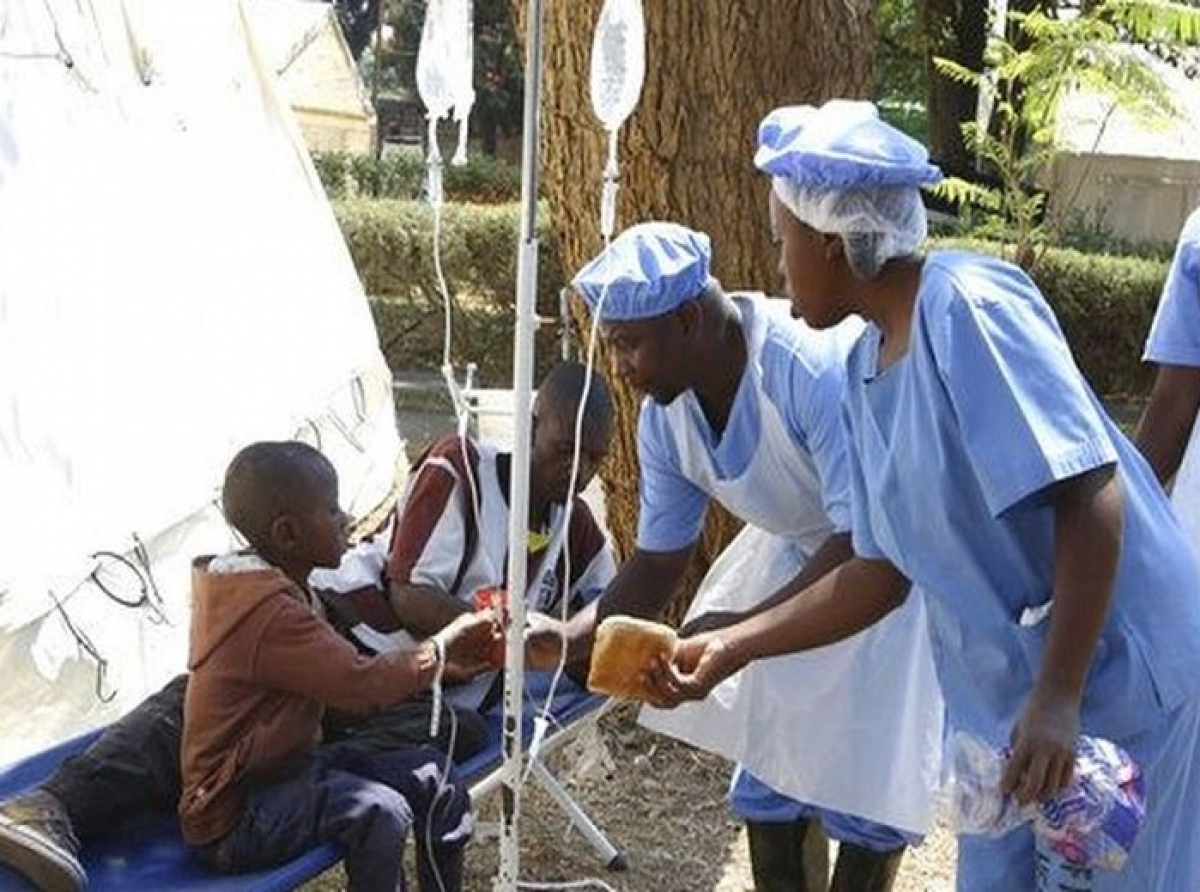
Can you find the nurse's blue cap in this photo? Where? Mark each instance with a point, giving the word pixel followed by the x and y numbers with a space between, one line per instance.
pixel 842 144
pixel 647 271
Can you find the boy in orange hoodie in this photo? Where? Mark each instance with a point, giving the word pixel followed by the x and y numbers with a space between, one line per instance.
pixel 258 789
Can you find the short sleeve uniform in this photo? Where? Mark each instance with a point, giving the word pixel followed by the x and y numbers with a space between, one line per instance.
pixel 952 449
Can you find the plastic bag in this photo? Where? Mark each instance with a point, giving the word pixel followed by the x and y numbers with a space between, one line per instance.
pixel 617 72
pixel 618 61
pixel 445 59
pixel 436 74
pixel 1093 822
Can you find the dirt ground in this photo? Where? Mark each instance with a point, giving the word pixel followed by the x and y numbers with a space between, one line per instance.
pixel 660 802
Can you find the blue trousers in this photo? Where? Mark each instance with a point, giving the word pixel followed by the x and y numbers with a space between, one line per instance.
pixel 752 800
pixel 367 802
pixel 133 767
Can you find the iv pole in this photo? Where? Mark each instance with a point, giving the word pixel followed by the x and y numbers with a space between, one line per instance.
pixel 518 520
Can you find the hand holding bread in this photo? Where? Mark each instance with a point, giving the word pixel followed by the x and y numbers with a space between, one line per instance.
pixel 624 651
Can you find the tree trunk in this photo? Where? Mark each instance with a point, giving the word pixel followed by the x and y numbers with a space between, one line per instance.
pixel 714 68
pixel 956 30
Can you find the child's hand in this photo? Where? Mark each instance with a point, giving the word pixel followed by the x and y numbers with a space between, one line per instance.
pixel 470 640
pixel 457 673
pixel 543 641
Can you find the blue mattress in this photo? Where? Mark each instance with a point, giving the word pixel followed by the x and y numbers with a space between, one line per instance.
pixel 148 853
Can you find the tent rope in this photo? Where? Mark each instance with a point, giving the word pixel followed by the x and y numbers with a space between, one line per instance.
pixel 86 645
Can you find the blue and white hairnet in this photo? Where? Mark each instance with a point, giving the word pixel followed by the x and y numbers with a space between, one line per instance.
pixel 648 270
pixel 843 171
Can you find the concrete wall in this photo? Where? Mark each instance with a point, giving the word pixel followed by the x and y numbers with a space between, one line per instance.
pixel 1136 198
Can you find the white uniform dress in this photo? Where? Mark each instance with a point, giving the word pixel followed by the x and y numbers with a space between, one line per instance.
pixel 856 727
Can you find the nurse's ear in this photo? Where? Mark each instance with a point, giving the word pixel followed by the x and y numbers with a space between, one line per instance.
pixel 833 247
pixel 690 315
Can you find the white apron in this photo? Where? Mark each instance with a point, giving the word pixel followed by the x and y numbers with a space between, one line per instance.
pixel 1185 494
pixel 855 727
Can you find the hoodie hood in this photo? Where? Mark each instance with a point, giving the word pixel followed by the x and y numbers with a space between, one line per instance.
pixel 223 602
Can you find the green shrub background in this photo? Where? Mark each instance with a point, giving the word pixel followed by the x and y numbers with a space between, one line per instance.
pixel 401 175
pixel 1104 303
pixel 392 246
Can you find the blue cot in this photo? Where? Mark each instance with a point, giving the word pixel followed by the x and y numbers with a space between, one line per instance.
pixel 148 852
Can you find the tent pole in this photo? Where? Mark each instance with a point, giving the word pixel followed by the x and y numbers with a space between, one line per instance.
pixel 518 521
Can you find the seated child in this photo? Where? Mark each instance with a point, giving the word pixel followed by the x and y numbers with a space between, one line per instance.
pixel 258 788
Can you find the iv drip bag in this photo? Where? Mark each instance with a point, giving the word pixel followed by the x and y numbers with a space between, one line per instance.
pixel 462 37
pixel 435 83
pixel 618 69
pixel 444 73
pixel 618 61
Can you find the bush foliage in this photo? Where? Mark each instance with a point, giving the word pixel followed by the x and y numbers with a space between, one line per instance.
pixel 401 176
pixel 1104 303
pixel 392 246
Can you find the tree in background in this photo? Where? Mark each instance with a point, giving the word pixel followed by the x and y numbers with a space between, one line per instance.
pixel 902 80
pixel 358 19
pixel 714 69
pixel 954 30
pixel 1028 76
pixel 499 80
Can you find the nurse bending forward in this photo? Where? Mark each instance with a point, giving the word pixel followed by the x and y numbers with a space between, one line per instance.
pixel 1062 596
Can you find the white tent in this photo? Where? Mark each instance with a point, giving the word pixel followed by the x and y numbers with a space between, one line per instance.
pixel 172 286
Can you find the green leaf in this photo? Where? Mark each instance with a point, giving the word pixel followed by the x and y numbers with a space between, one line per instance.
pixel 967 194
pixel 957 72
pixel 1154 20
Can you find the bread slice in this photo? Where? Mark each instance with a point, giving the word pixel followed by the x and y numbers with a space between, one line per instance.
pixel 624 647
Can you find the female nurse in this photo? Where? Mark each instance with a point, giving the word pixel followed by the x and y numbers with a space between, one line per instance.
pixel 1062 596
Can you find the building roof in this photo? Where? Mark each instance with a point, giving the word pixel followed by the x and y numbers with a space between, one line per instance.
pixel 1090 123
pixel 304 42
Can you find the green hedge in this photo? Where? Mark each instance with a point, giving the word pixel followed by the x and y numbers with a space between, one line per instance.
pixel 392 246
pixel 401 175
pixel 1105 305
pixel 411 335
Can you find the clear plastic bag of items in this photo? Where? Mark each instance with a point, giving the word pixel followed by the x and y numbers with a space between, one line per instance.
pixel 1093 822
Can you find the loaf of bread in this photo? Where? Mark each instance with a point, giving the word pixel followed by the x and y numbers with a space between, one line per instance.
pixel 624 647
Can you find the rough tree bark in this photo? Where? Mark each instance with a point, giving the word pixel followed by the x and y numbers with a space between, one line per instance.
pixel 713 69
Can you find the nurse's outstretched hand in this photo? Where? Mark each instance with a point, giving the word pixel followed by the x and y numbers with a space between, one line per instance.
pixel 1043 748
pixel 697 665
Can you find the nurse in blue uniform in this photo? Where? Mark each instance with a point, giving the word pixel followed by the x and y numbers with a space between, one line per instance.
pixel 1062 595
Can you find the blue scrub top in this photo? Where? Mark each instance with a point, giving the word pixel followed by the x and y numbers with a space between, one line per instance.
pixel 1175 335
pixel 803 376
pixel 952 448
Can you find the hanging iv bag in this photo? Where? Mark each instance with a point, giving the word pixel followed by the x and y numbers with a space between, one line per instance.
pixel 435 85
pixel 618 70
pixel 435 70
pixel 462 49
